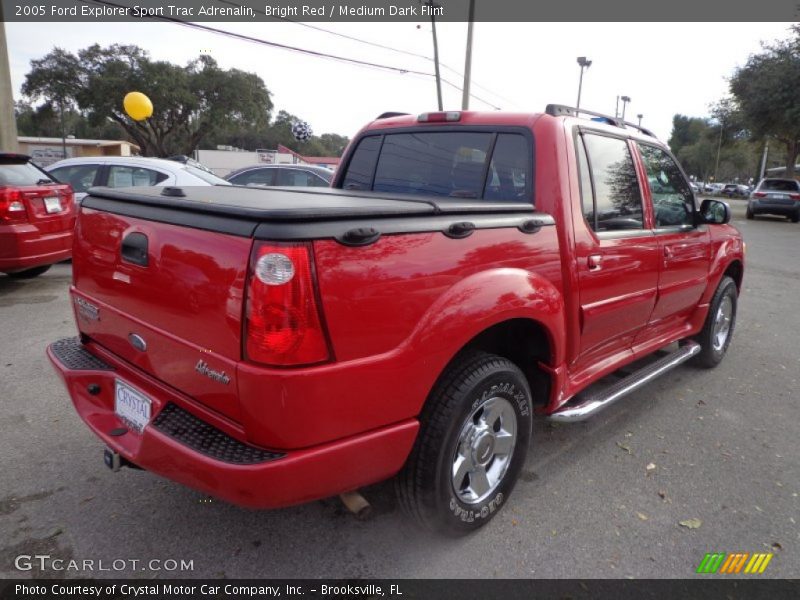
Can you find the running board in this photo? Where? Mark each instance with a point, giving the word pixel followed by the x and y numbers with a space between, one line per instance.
pixel 604 398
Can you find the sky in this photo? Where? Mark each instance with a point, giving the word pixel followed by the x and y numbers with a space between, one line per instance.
pixel 665 68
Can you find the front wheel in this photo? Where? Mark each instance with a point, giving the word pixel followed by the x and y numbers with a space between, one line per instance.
pixel 715 337
pixel 474 436
pixel 749 214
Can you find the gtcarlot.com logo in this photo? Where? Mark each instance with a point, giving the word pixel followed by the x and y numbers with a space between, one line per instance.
pixel 45 562
pixel 735 563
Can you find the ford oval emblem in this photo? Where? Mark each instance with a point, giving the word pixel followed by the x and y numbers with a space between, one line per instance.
pixel 137 342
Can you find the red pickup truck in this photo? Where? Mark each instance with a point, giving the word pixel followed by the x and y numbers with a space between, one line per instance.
pixel 465 272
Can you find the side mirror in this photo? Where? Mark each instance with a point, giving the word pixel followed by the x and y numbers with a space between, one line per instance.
pixel 714 212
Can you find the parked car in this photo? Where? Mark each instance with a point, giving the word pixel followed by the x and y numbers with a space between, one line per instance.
pixel 128 171
pixel 410 321
pixel 697 188
pixel 713 188
pixel 735 190
pixel 37 218
pixel 775 197
pixel 281 175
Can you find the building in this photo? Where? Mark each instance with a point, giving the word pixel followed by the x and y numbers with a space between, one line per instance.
pixel 47 150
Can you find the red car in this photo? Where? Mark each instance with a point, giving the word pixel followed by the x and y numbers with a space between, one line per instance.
pixel 465 272
pixel 37 218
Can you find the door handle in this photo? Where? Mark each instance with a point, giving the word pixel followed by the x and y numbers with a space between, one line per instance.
pixel 667 252
pixel 595 261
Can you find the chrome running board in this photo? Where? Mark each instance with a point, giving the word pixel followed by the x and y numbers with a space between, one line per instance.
pixel 593 404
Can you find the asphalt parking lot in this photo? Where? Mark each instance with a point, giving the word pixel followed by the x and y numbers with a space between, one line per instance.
pixel 601 499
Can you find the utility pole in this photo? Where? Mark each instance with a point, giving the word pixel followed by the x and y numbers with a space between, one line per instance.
pixel 763 169
pixel 8 124
pixel 468 60
pixel 640 116
pixel 719 148
pixel 432 6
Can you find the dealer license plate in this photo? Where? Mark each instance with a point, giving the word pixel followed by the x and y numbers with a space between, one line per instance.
pixel 131 406
pixel 52 205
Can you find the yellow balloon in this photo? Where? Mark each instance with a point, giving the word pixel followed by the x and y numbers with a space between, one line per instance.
pixel 137 105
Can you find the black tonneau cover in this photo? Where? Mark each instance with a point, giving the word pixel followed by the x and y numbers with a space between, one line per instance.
pixel 295 213
pixel 302 204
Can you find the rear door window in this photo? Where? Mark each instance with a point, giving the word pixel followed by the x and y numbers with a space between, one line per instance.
pixel 617 201
pixel 299 177
pixel 456 164
pixel 80 177
pixel 121 176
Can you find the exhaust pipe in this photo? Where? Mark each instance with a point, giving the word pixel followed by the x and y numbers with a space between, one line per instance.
pixel 357 504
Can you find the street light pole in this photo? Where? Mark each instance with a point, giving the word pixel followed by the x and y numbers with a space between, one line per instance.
pixel 468 59
pixel 625 100
pixel 639 116
pixel 584 64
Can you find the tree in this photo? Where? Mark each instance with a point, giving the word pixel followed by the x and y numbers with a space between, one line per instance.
pixel 190 103
pixel 766 92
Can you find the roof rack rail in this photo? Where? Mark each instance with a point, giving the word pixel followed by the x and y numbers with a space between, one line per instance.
pixel 387 115
pixel 560 110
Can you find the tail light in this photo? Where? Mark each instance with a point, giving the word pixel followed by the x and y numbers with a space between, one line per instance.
pixel 759 194
pixel 12 208
pixel 794 196
pixel 284 327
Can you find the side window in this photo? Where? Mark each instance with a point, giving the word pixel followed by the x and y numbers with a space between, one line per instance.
pixel 120 176
pixel 362 165
pixel 298 177
pixel 673 201
pixel 255 177
pixel 617 199
pixel 509 169
pixel 80 177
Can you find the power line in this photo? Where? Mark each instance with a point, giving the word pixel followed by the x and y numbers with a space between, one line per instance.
pixel 382 46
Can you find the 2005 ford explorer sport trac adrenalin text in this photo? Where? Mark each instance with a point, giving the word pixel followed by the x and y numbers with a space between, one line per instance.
pixel 465 272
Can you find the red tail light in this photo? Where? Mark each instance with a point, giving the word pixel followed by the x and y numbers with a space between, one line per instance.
pixel 284 327
pixel 759 194
pixel 794 196
pixel 12 208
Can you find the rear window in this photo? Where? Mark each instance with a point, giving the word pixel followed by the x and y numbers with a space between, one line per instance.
pixel 456 164
pixel 780 185
pixel 206 176
pixel 15 172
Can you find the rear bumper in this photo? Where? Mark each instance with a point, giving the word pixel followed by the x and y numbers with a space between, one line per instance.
pixel 24 246
pixel 765 207
pixel 186 443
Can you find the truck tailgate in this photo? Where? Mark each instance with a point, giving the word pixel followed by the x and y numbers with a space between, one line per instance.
pixel 166 298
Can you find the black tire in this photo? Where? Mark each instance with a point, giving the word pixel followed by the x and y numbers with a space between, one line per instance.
pixel 713 348
pixel 749 214
pixel 795 218
pixel 29 273
pixel 472 389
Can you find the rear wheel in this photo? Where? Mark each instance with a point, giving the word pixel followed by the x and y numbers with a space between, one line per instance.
pixel 29 273
pixel 749 214
pixel 474 436
pixel 795 218
pixel 715 337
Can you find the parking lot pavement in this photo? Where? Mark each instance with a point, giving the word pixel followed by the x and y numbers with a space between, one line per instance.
pixel 599 499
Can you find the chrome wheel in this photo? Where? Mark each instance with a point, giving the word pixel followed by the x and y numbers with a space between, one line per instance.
pixel 722 323
pixel 485 447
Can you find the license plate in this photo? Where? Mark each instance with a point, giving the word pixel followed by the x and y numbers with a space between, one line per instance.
pixel 131 406
pixel 52 205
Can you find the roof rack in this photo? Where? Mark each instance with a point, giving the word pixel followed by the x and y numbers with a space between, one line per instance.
pixel 388 115
pixel 560 110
